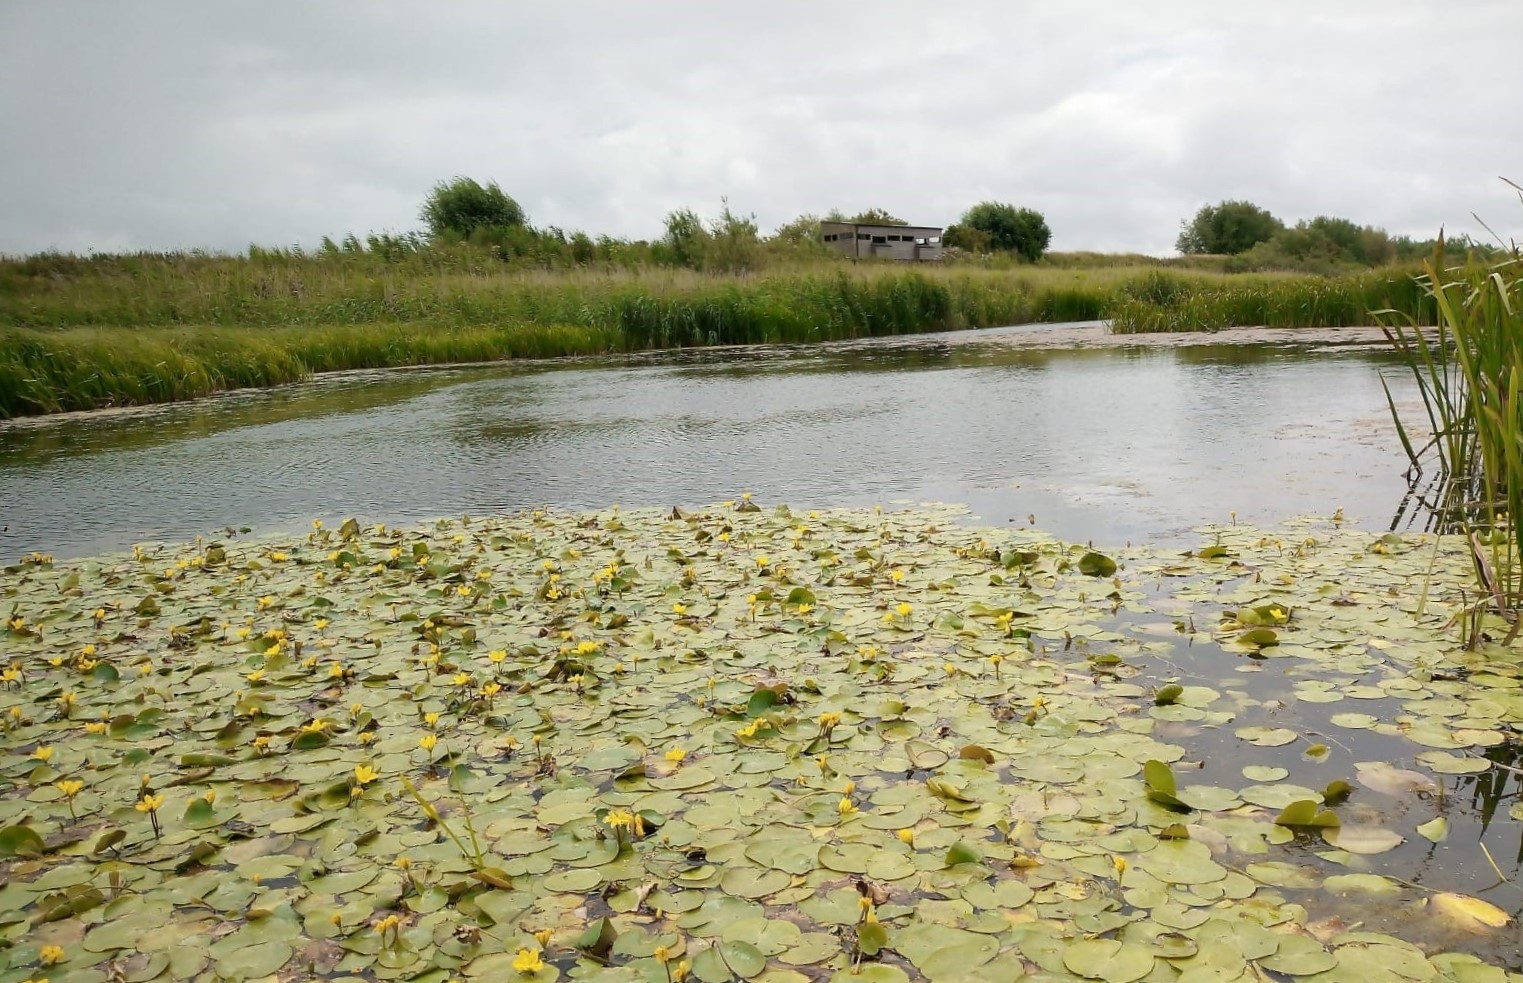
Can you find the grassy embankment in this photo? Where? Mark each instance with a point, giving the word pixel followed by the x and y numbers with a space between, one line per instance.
pixel 82 333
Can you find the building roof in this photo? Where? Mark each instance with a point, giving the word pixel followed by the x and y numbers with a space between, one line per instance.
pixel 895 229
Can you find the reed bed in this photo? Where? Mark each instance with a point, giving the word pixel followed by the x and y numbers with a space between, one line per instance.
pixel 88 332
pixel 1469 371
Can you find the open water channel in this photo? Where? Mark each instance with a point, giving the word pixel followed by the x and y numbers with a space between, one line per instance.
pixel 1095 440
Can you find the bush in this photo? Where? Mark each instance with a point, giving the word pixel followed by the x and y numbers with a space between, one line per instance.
pixel 458 208
pixel 1022 231
pixel 1226 229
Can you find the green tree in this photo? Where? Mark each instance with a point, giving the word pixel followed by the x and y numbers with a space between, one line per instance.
pixel 1227 228
pixel 1022 231
pixel 461 206
pixel 965 237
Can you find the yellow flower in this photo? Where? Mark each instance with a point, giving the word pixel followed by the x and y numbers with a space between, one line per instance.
pixel 89 650
pixel 543 937
pixel 336 671
pixel 95 728
pixel 497 655
pixel 587 648
pixel 69 787
pixel 464 590
pixel 210 796
pixel 431 719
pixel 149 802
pixel 50 955
pixel 528 962
pixel 280 557
pixel 829 720
pixel 763 560
pixel 907 837
pixel 43 754
pixel 896 575
pixel 675 755
pixel 67 700
pixel 847 807
pixel 903 609
pixel 805 608
pixel 663 954
pixel 427 742
pixel 679 608
pixel 680 973
pixel 364 774
pixel 367 736
pixel 491 689
pixel 318 726
pixel 320 624
pixel 461 678
pixel 256 676
pixel 1120 864
pixel 850 787
pixel 619 819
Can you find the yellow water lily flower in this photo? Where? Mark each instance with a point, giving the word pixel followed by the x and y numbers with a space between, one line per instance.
pixel 528 961
pixel 907 837
pixel 431 719
pixel 43 754
pixel 497 655
pixel 149 802
pixel 427 742
pixel 364 774
pixel 95 728
pixel 903 609
pixel 763 560
pixel 70 787
pixel 675 755
pixel 50 955
pixel 847 807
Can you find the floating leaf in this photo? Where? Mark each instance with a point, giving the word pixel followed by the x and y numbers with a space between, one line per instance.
pixel 1435 830
pixel 1306 812
pixel 1470 912
pixel 1094 564
pixel 20 841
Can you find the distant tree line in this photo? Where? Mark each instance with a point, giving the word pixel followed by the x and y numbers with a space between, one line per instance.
pixel 1256 239
pixel 463 211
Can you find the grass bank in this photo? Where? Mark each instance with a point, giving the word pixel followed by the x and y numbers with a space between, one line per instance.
pixel 89 332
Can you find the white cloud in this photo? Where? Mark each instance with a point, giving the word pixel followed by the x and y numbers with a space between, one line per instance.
pixel 181 124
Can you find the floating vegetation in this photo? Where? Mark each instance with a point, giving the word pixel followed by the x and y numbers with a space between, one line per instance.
pixel 746 743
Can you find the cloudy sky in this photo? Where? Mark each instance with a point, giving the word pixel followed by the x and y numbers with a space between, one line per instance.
pixel 155 125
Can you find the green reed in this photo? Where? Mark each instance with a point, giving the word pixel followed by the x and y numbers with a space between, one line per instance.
pixel 1469 373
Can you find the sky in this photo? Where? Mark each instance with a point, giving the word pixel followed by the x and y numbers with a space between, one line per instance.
pixel 192 125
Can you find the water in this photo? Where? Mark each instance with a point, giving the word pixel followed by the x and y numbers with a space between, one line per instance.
pixel 1106 444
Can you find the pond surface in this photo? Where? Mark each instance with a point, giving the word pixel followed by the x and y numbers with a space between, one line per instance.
pixel 1112 443
pixel 1097 441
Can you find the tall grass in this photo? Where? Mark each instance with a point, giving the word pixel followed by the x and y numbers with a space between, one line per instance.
pixel 1161 301
pixel 86 332
pixel 1469 371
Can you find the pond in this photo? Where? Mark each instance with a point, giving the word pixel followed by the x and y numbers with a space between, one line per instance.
pixel 1092 439
pixel 1106 442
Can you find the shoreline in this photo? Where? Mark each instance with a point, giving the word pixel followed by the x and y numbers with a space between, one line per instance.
pixel 1036 336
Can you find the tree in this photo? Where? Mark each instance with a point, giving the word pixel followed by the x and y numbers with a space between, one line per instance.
pixel 460 207
pixel 1226 229
pixel 1022 231
pixel 872 216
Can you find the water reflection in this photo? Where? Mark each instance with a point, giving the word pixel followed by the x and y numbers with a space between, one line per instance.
pixel 1101 443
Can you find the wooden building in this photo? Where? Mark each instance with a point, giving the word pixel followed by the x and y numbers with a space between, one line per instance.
pixel 906 242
